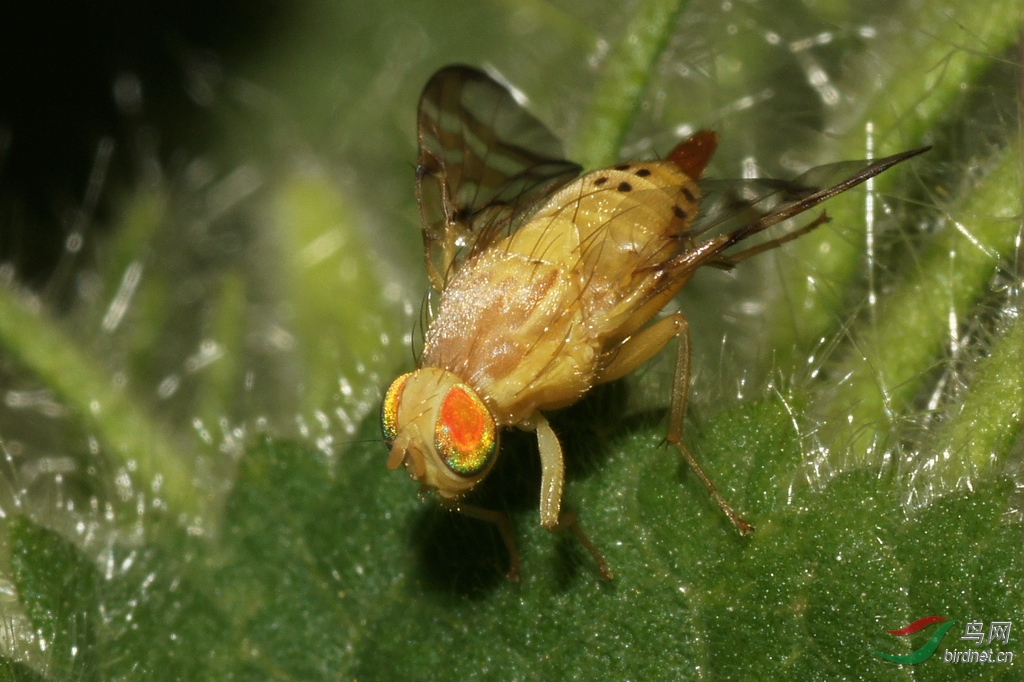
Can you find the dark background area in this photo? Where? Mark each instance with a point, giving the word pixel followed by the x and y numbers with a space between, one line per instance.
pixel 58 65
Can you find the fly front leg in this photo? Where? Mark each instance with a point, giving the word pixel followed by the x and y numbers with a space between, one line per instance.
pixel 500 520
pixel 642 347
pixel 568 521
pixel 552 480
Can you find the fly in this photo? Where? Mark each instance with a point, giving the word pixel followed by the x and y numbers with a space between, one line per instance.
pixel 549 281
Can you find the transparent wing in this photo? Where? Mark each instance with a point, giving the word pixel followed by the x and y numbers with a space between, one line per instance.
pixel 484 161
pixel 742 208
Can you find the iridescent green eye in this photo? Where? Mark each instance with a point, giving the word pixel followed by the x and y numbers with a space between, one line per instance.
pixel 389 409
pixel 464 435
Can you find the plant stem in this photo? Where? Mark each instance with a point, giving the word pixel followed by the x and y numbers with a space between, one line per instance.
pixel 627 70
pixel 903 89
pixel 884 368
pixel 126 432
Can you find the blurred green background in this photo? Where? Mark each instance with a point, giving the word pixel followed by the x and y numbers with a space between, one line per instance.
pixel 211 266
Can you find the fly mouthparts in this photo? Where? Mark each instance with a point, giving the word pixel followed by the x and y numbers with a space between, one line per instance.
pixel 403 452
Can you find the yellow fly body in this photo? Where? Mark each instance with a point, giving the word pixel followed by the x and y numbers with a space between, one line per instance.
pixel 549 282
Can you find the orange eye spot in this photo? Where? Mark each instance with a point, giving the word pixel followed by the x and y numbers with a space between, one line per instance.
pixel 389 409
pixel 465 434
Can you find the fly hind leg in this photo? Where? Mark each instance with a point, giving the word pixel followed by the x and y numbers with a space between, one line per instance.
pixel 640 348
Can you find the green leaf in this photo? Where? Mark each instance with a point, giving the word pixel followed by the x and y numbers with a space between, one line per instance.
pixel 832 564
pixel 144 620
pixel 307 554
pixel 57 587
pixel 318 573
pixel 13 671
pixel 162 621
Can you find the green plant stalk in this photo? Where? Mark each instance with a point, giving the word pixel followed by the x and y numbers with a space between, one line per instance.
pixel 327 266
pixel 134 244
pixel 222 379
pixel 883 369
pixel 991 415
pixel 125 431
pixel 139 222
pixel 904 95
pixel 627 71
pixel 557 19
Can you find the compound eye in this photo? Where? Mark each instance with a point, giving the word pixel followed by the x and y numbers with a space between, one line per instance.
pixel 464 435
pixel 389 409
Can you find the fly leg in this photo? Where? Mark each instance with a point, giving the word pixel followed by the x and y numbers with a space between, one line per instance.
pixel 552 479
pixel 642 347
pixel 568 521
pixel 728 262
pixel 552 475
pixel 499 519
